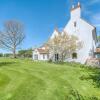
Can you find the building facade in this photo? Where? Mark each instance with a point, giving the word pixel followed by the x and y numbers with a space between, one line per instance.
pixel 41 54
pixel 84 31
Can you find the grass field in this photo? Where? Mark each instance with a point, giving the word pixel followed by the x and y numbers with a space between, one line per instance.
pixel 28 80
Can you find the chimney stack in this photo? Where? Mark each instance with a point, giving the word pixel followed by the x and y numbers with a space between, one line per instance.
pixel 79 4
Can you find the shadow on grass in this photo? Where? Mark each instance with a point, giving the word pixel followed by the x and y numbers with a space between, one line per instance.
pixel 95 77
pixel 74 95
pixel 6 63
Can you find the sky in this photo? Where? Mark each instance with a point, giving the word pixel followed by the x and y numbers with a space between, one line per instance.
pixel 40 17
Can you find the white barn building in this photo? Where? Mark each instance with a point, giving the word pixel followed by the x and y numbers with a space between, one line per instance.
pixel 84 31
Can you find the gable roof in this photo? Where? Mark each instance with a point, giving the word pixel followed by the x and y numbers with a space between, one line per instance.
pixel 55 33
pixel 43 51
pixel 87 22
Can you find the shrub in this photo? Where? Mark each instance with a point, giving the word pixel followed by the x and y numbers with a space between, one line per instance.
pixel 1 55
pixel 50 61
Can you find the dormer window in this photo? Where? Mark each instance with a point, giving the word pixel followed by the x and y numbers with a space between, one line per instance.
pixel 74 24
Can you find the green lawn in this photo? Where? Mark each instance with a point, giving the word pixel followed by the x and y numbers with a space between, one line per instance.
pixel 28 80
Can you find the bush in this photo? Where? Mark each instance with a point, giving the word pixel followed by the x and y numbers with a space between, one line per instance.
pixel 50 61
pixel 8 55
pixel 75 95
pixel 25 53
pixel 1 55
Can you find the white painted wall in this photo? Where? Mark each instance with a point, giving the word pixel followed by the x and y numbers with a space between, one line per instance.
pixel 35 52
pixel 40 56
pixel 43 58
pixel 75 14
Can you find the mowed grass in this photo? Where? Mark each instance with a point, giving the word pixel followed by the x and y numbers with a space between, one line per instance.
pixel 28 80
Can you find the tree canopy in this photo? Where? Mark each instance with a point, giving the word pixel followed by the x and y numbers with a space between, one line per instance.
pixel 64 44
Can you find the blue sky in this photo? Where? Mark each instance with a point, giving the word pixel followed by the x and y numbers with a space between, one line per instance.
pixel 40 17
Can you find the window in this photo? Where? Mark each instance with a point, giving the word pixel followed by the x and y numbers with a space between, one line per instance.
pixel 36 57
pixel 48 56
pixel 98 56
pixel 74 55
pixel 43 56
pixel 74 24
pixel 56 57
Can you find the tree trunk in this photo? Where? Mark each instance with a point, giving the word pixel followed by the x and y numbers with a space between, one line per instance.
pixel 62 58
pixel 14 52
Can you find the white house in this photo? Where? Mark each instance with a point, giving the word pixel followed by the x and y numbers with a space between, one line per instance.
pixel 84 31
pixel 41 54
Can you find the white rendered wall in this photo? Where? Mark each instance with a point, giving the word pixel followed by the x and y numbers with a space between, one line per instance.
pixel 40 56
pixel 75 14
pixel 35 52
pixel 45 58
pixel 84 32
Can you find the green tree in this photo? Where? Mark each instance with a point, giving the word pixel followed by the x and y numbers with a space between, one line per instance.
pixel 25 53
pixel 1 54
pixel 98 38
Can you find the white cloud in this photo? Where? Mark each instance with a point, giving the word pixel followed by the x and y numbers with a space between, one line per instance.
pixel 86 6
pixel 97 25
pixel 94 2
pixel 61 29
pixel 95 19
pixel 85 9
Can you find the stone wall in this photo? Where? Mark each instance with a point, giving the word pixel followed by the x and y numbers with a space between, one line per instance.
pixel 93 62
